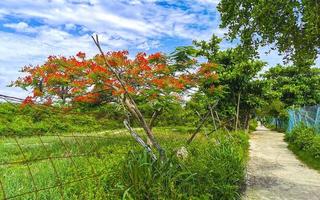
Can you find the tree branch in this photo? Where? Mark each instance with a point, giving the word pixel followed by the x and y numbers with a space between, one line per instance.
pixel 139 139
pixel 204 119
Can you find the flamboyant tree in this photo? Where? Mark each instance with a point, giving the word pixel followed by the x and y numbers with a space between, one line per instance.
pixel 114 75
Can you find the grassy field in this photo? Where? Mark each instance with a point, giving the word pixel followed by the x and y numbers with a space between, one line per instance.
pixel 82 166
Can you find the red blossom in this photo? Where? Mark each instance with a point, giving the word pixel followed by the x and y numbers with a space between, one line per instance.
pixel 155 56
pixel 87 98
pixel 61 77
pixel 27 101
pixel 81 55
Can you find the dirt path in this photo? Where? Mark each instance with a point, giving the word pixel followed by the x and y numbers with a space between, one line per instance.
pixel 275 173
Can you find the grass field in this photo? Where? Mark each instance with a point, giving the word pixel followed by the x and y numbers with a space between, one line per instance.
pixel 75 166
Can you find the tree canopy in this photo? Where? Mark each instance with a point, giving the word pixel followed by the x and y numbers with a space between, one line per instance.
pixel 237 76
pixel 292 26
pixel 294 86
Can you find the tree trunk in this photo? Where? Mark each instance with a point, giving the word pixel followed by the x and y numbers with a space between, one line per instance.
pixel 246 123
pixel 139 139
pixel 213 119
pixel 152 123
pixel 136 112
pixel 237 116
pixel 128 101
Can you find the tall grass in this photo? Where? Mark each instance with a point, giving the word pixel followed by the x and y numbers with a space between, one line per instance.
pixel 214 168
pixel 15 121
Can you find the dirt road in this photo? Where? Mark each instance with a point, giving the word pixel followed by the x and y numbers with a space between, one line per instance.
pixel 275 173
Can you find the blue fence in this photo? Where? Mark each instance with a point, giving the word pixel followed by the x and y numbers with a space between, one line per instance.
pixel 309 115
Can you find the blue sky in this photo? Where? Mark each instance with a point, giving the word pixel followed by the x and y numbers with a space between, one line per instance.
pixel 30 30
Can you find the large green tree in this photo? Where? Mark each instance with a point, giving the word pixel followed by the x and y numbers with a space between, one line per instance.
pixel 292 26
pixel 294 86
pixel 238 82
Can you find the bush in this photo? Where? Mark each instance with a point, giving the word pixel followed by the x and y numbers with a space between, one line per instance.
pixel 213 170
pixel 315 147
pixel 39 120
pixel 305 143
pixel 253 124
pixel 302 137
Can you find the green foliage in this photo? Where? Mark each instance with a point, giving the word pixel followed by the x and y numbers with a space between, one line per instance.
pixel 302 137
pixel 253 124
pixel 305 142
pixel 275 114
pixel 238 75
pixel 294 85
pixel 146 179
pixel 213 170
pixel 292 26
pixel 276 109
pixel 41 120
pixel 315 147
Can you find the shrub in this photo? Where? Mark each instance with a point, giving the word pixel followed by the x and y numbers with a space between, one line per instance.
pixel 38 120
pixel 315 147
pixel 213 170
pixel 305 143
pixel 253 124
pixel 302 137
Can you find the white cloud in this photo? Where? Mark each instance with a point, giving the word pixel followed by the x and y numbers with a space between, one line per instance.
pixel 143 18
pixel 20 27
pixel 121 24
pixel 147 45
pixel 210 1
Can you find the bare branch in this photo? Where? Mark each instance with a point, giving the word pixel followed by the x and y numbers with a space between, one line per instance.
pixel 139 139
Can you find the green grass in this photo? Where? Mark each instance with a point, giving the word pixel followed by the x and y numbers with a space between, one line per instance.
pixel 305 157
pixel 92 155
pixel 304 141
pixel 44 120
pixel 89 167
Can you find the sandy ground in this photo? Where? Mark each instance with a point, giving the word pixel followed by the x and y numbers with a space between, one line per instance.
pixel 275 173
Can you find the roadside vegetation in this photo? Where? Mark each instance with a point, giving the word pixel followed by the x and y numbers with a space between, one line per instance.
pixel 214 167
pixel 161 126
pixel 304 141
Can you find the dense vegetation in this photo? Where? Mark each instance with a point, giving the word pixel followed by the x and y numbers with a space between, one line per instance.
pixel 292 26
pixel 187 114
pixel 28 121
pixel 213 169
pixel 305 142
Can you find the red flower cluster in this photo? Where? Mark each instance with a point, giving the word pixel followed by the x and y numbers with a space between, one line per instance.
pixel 87 98
pixel 27 101
pixel 71 78
pixel 81 55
